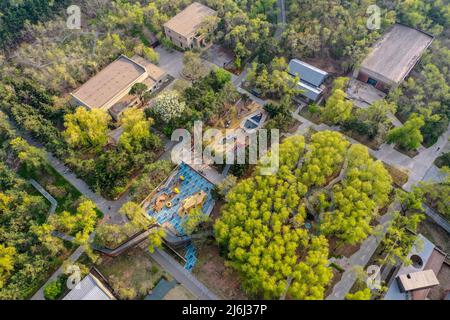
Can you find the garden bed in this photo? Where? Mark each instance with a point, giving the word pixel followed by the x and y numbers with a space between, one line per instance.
pixel 409 153
pixel 399 177
pixel 132 275
pixel 211 270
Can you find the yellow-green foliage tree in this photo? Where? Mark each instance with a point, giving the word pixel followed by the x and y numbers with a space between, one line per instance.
pixel 136 130
pixel 400 238
pixel 31 157
pixel 6 262
pixel 81 225
pixel 86 128
pixel 261 228
pixel 274 81
pixel 156 239
pixel 337 108
pixel 408 136
pixel 326 153
pixel 261 225
pixel 136 215
pixel 364 294
pixel 364 189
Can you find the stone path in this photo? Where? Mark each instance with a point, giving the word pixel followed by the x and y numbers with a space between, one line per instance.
pixel 417 167
pixel 48 196
pixel 362 256
pixel 39 295
pixel 183 276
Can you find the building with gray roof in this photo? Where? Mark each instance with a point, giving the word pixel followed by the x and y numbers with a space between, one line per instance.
pixel 90 288
pixel 311 79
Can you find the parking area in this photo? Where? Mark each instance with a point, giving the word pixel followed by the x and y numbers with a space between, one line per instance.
pixel 171 61
pixel 218 55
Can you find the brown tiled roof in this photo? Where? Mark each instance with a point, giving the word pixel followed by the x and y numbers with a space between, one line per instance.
pixel 189 20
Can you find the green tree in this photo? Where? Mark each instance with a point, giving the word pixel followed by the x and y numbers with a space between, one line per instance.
pixel 53 290
pixel 156 239
pixel 139 89
pixel 408 136
pixel 364 294
pixel 110 235
pixel 400 238
pixel 194 67
pixel 337 108
pixel 31 157
pixel 193 220
pixel 226 185
pixel 86 128
pixel 6 262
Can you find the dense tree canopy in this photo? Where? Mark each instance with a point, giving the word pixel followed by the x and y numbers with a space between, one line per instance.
pixel 262 222
pixel 365 188
pixel 408 136
pixel 87 128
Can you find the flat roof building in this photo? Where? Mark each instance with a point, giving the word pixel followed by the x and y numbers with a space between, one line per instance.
pixel 393 57
pixel 109 89
pixel 183 28
pixel 311 78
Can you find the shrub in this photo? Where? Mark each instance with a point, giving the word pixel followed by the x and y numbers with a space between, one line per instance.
pixel 53 290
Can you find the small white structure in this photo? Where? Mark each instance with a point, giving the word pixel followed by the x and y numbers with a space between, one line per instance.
pixel 90 288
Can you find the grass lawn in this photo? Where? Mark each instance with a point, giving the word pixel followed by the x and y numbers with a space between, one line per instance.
pixel 67 196
pixel 132 274
pixel 313 117
pixel 55 184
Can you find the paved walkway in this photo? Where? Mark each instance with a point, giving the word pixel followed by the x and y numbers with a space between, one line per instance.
pixel 48 196
pixel 183 276
pixel 39 295
pixel 417 167
pixel 362 256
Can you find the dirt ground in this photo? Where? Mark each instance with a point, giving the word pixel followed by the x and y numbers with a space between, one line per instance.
pixel 211 269
pixel 435 234
pixel 336 278
pixel 342 250
pixel 179 293
pixel 439 292
pixel 132 275
pixel 398 176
